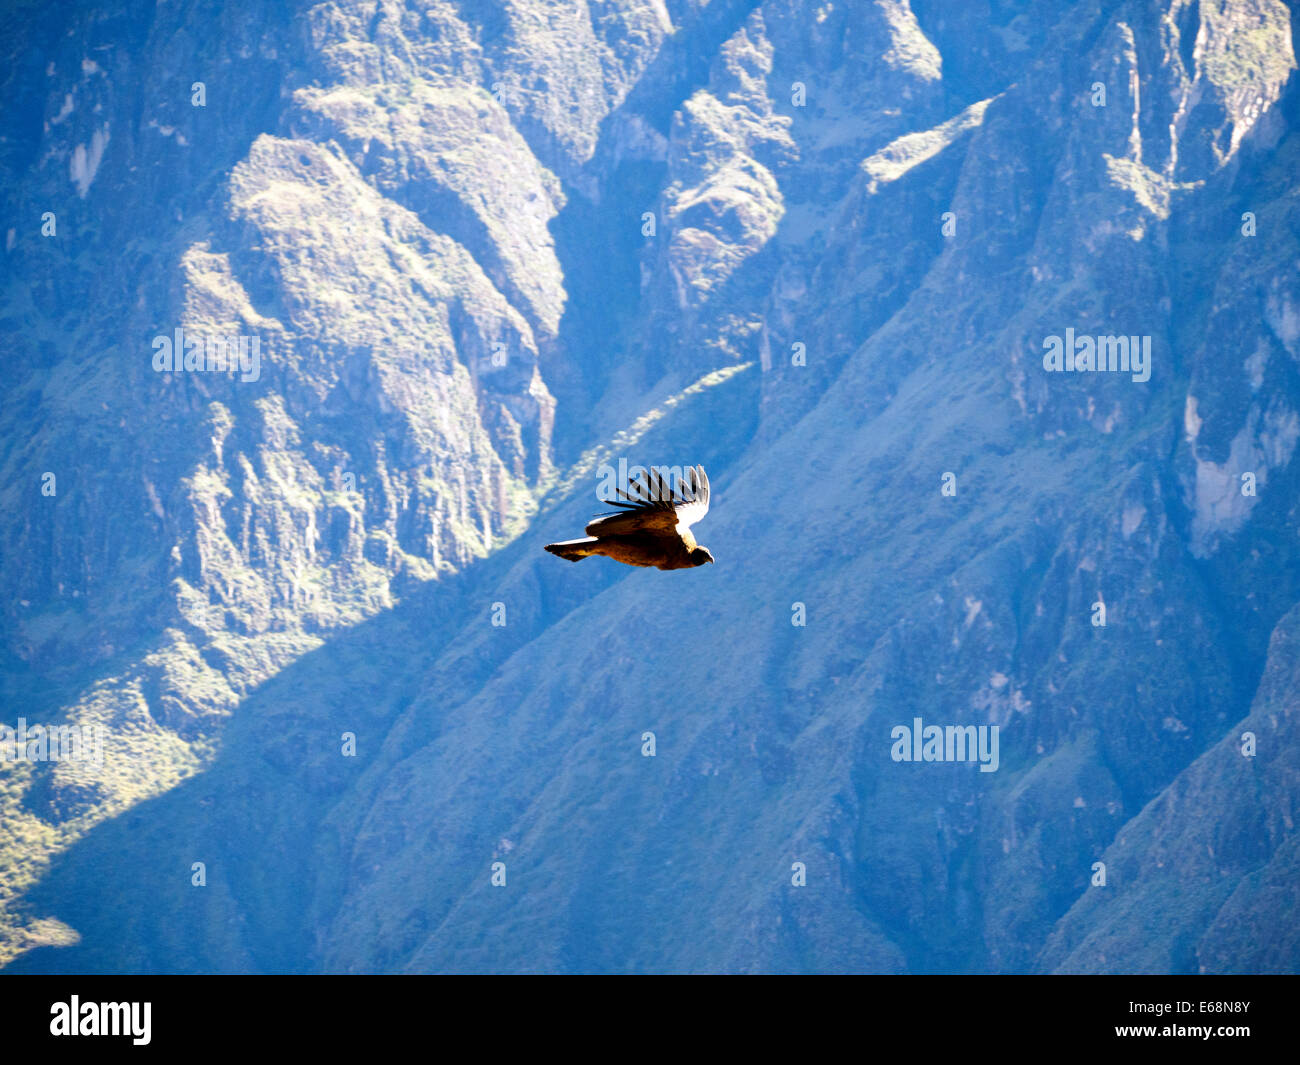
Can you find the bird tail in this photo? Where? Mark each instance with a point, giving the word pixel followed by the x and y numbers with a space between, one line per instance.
pixel 573 550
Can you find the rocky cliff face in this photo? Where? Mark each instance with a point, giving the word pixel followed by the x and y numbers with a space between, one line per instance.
pixel 482 249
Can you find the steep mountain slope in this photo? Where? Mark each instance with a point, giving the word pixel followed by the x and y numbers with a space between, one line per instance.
pixel 867 219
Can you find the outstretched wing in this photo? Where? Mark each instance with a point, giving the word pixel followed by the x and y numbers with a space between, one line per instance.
pixel 696 503
pixel 650 505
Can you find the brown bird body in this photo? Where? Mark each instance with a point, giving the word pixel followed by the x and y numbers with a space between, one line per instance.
pixel 652 529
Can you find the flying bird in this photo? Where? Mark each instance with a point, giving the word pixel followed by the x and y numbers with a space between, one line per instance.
pixel 652 529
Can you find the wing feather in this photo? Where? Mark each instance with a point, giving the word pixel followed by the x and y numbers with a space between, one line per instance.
pixel 694 508
pixel 650 505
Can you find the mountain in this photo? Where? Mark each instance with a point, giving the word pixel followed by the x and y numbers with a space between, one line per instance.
pixel 485 253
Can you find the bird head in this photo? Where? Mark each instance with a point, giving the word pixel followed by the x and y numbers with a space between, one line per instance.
pixel 700 556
